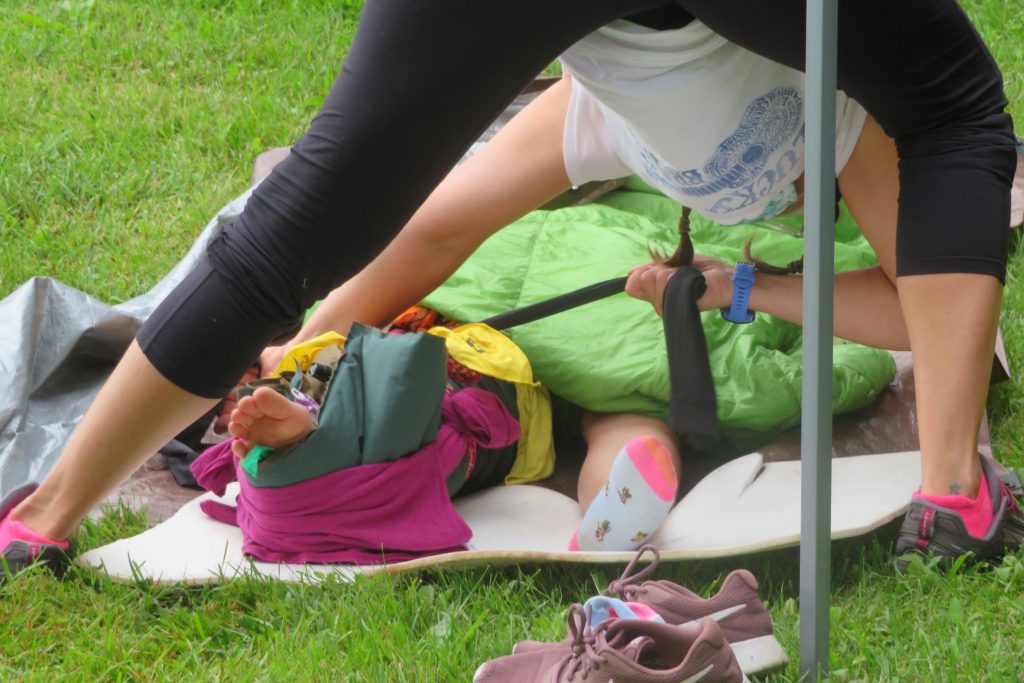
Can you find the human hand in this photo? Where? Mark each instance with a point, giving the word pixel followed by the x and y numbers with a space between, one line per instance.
pixel 718 276
pixel 270 359
pixel 647 282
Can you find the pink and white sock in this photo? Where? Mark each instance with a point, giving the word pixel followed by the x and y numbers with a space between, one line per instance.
pixel 13 530
pixel 976 512
pixel 602 607
pixel 640 492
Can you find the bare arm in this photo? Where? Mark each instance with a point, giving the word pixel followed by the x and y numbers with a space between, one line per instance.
pixel 866 303
pixel 521 168
pixel 867 310
pixel 866 306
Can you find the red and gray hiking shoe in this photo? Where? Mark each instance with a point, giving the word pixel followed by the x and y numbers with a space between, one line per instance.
pixel 736 607
pixel 626 651
pixel 929 529
pixel 17 554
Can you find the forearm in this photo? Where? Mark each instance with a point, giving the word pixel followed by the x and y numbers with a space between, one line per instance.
pixel 380 292
pixel 866 306
pixel 404 273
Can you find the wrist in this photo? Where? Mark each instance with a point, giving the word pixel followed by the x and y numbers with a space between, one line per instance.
pixel 739 310
pixel 730 273
pixel 764 290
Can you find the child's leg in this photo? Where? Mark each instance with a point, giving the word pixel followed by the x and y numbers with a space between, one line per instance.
pixel 628 482
pixel 269 419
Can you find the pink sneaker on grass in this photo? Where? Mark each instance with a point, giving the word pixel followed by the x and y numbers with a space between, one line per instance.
pixel 736 607
pixel 20 547
pixel 625 651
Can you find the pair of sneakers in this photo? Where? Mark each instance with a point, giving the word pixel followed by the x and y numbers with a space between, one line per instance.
pixel 723 638
pixel 929 529
pixel 623 650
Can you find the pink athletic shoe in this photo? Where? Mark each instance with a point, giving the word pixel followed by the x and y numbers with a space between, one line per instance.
pixel 736 608
pixel 626 651
pixel 18 553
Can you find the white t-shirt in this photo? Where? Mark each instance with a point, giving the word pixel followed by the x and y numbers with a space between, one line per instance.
pixel 710 124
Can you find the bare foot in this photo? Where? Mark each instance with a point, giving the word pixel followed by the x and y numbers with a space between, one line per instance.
pixel 268 419
pixel 220 425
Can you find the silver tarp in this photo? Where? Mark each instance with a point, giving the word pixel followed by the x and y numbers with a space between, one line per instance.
pixel 57 346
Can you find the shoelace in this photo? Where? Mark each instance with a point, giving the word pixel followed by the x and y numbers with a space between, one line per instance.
pixel 584 644
pixel 625 587
pixel 1013 526
pixel 1014 506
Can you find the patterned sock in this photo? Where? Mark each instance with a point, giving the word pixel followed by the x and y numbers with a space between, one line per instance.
pixel 603 607
pixel 976 512
pixel 636 500
pixel 13 530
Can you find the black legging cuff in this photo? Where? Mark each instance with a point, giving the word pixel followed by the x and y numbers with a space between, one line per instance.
pixel 201 339
pixel 951 264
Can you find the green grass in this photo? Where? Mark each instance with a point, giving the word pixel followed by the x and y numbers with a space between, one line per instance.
pixel 123 127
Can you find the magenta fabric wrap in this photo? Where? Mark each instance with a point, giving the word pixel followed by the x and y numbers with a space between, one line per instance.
pixel 383 512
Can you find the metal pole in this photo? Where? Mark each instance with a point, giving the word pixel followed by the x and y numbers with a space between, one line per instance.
pixel 819 265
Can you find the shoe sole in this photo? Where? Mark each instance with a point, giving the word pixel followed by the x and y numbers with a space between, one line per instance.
pixel 759 655
pixel 477 672
pixel 20 555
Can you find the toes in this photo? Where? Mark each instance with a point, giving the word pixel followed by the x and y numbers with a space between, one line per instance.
pixel 240 448
pixel 248 407
pixel 268 418
pixel 239 429
pixel 272 404
pixel 243 418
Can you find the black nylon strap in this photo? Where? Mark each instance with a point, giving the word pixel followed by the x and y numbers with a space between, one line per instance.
pixel 692 408
pixel 563 302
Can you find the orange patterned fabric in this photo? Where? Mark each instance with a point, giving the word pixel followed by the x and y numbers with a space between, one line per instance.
pixel 420 319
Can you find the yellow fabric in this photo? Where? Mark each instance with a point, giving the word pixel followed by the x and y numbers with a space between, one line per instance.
pixel 482 348
pixel 303 353
pixel 535 457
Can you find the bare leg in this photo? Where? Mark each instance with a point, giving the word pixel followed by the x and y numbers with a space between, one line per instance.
pixel 605 436
pixel 269 419
pixel 628 483
pixel 136 412
pixel 952 321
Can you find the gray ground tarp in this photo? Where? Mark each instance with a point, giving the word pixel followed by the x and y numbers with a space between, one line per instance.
pixel 57 346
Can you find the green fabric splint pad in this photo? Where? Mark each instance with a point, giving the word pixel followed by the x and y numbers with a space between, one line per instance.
pixel 383 402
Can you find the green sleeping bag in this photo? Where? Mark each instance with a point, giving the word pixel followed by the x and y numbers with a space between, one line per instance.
pixel 609 356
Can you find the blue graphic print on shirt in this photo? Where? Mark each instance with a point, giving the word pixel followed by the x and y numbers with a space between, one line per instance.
pixel 742 170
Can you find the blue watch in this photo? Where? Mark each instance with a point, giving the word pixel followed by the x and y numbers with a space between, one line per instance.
pixel 742 281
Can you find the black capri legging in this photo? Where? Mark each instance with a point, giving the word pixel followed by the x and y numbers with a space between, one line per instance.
pixel 397 119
